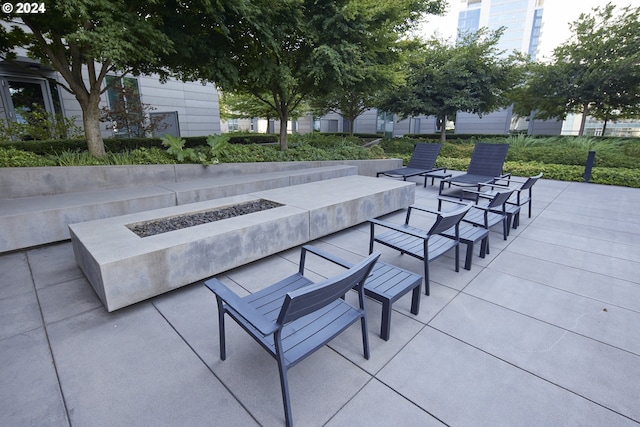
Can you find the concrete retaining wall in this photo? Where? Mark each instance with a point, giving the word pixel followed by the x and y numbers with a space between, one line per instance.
pixel 37 220
pixel 42 181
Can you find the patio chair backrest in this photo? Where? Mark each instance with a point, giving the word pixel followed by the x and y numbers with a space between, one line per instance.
pixel 500 199
pixel 488 159
pixel 530 181
pixel 448 220
pixel 314 297
pixel 424 156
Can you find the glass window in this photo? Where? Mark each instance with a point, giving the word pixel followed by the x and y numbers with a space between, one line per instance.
pixel 535 34
pixel 468 21
pixel 28 102
pixel 126 111
pixel 27 97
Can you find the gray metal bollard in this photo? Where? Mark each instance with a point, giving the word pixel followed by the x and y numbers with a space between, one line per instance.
pixel 587 170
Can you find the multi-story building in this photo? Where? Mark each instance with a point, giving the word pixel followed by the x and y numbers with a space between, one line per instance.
pixel 187 109
pixel 523 23
pixel 184 108
pixel 523 26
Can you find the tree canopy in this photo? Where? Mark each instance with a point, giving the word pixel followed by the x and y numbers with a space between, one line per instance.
pixel 318 48
pixel 596 72
pixel 278 51
pixel 472 76
pixel 84 40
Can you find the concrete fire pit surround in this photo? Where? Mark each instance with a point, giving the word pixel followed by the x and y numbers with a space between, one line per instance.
pixel 124 268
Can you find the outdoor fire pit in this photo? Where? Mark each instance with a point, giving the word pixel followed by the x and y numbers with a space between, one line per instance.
pixel 165 225
pixel 124 268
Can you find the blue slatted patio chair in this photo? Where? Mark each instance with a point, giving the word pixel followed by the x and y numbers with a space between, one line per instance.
pixel 485 166
pixel 421 163
pixel 469 234
pixel 523 192
pixel 426 245
pixel 488 210
pixel 295 316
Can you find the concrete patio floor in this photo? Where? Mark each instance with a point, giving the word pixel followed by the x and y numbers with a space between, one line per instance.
pixel 544 331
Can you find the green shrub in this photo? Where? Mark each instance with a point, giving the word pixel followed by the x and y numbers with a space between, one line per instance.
pixel 616 176
pixel 254 138
pixel 39 124
pixel 452 163
pixel 14 158
pixel 457 150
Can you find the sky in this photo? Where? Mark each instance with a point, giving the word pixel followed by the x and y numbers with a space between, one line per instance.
pixel 556 17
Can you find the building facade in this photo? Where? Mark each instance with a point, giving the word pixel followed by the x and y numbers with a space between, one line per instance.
pixel 185 109
pixel 523 28
pixel 523 23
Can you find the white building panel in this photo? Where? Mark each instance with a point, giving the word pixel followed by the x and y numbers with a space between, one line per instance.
pixel 545 127
pixel 366 122
pixel 495 123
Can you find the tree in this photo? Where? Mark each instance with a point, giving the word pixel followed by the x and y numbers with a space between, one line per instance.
pixel 596 72
pixel 348 103
pixel 247 106
pixel 473 76
pixel 313 47
pixel 85 40
pixel 375 64
pixel 93 37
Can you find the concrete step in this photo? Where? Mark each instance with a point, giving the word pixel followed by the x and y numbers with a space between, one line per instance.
pixel 37 220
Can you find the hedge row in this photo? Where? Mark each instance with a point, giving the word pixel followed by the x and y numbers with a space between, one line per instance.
pixel 119 145
pixel 623 153
pixel 599 175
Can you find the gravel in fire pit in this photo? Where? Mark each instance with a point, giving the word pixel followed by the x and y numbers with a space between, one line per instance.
pixel 164 225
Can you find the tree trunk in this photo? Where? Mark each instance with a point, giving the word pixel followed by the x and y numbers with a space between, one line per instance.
pixel 91 121
pixel 443 129
pixel 352 121
pixel 604 126
pixel 283 132
pixel 585 112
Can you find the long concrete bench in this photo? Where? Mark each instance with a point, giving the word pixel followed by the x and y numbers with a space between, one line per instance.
pixel 124 268
pixel 41 219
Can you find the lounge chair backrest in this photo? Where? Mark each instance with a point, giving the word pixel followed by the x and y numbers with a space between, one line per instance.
pixel 488 159
pixel 424 156
pixel 530 181
pixel 448 220
pixel 311 298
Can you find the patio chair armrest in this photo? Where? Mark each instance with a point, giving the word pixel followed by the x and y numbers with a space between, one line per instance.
pixel 494 185
pixel 239 306
pixel 323 254
pixel 403 228
pixel 452 200
pixel 463 184
pixel 510 178
pixel 424 209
